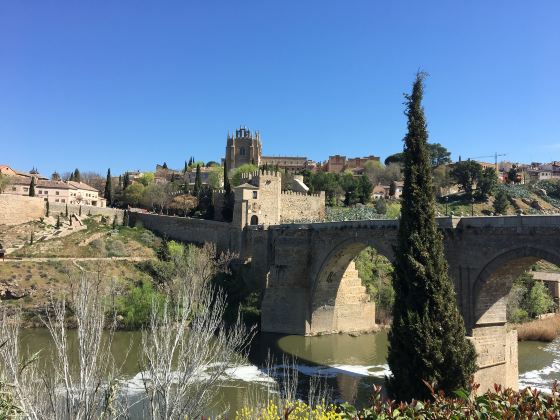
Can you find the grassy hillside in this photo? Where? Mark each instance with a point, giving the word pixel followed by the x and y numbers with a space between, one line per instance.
pixel 98 240
pixel 28 284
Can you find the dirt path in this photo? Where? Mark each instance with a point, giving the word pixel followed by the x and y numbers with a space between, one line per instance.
pixel 47 259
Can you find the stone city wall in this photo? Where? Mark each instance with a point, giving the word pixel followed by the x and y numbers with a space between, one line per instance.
pixel 299 206
pixel 186 229
pixel 57 208
pixel 16 209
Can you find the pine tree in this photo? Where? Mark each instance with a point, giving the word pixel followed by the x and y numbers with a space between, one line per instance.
pixel 115 222
pixel 77 176
pixel 109 188
pixel 197 182
pixel 186 167
pixel 501 202
pixel 125 218
pixel 32 187
pixel 58 222
pixel 164 166
pixel 120 182
pixel 80 211
pixel 48 208
pixel 427 338
pixel 66 214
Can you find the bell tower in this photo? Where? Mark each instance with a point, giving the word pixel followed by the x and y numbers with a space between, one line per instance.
pixel 243 147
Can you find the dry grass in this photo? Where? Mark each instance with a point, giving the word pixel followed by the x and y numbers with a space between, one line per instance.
pixel 539 330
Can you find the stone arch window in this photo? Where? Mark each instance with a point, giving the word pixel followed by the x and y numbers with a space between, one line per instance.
pixel 242 151
pixel 254 220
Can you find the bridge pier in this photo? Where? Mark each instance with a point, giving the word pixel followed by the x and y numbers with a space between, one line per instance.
pixel 343 305
pixel 497 357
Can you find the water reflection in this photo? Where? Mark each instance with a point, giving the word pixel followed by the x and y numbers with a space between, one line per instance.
pixel 349 364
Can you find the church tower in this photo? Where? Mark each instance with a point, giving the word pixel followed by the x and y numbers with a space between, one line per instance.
pixel 243 147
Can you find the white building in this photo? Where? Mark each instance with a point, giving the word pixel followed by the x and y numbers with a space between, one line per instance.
pixel 64 192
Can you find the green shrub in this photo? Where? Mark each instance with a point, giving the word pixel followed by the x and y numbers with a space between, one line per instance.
pixel 519 315
pixel 148 238
pixel 116 248
pixel 98 245
pixel 135 306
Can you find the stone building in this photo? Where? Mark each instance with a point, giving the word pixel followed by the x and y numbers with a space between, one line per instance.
pixel 243 148
pixel 246 148
pixel 292 164
pixel 338 163
pixel 261 201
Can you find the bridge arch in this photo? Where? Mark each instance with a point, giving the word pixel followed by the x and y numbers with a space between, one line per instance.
pixel 496 346
pixel 338 301
pixel 495 280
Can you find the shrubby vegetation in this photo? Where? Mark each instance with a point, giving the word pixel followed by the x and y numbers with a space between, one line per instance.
pixel 376 274
pixel 528 299
pixel 498 404
pixel 183 336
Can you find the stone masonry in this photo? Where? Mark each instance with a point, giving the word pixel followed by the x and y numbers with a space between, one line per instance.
pixel 311 287
pixel 15 209
pixel 259 200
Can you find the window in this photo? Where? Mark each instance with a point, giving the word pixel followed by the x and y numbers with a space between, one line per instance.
pixel 57 193
pixel 25 189
pixel 242 151
pixel 254 220
pixel 63 200
pixel 14 188
pixel 255 194
pixel 40 191
pixel 46 192
pixel 56 200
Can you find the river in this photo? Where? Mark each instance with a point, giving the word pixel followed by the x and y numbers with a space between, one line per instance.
pixel 350 365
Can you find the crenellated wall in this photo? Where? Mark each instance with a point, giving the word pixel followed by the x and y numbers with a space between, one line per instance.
pixel 259 200
pixel 299 206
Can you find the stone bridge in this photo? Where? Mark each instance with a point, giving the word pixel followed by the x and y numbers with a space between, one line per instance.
pixel 311 285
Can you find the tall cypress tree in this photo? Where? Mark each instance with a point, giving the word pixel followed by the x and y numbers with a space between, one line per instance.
pixel 427 338
pixel 109 188
pixel 126 180
pixel 197 182
pixel 229 198
pixel 32 187
pixel 77 176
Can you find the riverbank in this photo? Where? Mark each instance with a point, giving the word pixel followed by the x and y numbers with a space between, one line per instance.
pixel 546 329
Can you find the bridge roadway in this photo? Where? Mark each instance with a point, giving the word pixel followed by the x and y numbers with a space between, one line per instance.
pixel 311 286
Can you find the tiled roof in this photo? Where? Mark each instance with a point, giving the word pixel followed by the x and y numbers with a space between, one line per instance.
pixel 46 183
pixel 82 186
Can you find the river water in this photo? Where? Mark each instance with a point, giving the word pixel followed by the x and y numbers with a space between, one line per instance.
pixel 349 365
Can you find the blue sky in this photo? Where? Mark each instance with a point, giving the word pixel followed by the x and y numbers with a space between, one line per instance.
pixel 128 84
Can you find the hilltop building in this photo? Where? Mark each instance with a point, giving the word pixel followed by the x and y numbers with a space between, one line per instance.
pixel 62 192
pixel 339 163
pixel 245 147
pixel 259 200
